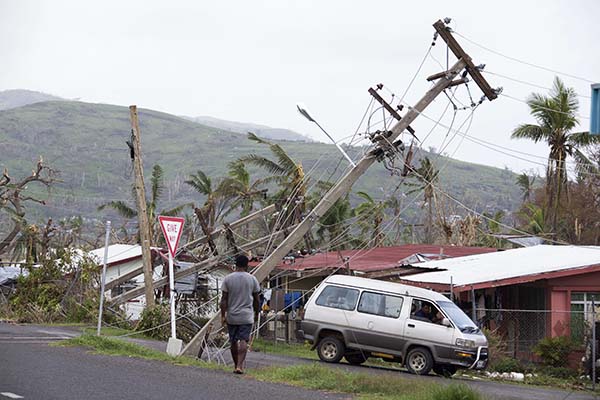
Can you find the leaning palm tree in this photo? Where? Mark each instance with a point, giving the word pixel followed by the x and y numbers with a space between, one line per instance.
pixel 556 117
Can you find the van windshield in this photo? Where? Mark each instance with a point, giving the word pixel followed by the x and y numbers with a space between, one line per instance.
pixel 457 316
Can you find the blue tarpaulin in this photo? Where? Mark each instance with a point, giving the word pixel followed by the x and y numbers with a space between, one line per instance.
pixel 595 114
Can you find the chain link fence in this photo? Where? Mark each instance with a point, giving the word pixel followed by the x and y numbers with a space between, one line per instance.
pixel 557 339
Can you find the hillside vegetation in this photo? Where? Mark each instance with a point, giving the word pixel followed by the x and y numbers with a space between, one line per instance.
pixel 86 142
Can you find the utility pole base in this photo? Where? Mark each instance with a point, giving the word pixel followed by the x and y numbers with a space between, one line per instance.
pixel 174 346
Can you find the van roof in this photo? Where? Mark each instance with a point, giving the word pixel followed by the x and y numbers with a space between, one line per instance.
pixel 391 287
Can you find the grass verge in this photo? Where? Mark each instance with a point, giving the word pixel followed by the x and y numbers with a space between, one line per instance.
pixel 285 349
pixel 314 376
pixel 112 331
pixel 116 347
pixel 366 386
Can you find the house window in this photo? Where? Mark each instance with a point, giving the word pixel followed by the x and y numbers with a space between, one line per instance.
pixel 380 304
pixel 338 297
pixel 581 312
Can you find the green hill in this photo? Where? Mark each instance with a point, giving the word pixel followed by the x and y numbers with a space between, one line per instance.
pixel 19 97
pixel 86 142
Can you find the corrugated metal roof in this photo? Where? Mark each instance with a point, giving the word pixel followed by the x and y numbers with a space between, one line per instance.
pixel 117 252
pixel 508 264
pixel 379 258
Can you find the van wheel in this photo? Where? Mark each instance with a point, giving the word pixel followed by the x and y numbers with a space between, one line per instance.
pixel 355 358
pixel 331 349
pixel 444 370
pixel 419 361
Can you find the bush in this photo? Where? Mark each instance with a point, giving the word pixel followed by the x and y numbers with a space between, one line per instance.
pixel 558 372
pixel 497 352
pixel 155 322
pixel 60 289
pixel 554 351
pixel 506 364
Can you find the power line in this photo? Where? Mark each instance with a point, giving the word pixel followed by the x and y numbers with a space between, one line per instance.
pixel 492 146
pixel 526 82
pixel 523 62
pixel 544 108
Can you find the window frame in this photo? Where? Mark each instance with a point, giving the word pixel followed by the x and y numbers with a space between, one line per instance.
pixel 380 294
pixel 433 305
pixel 338 287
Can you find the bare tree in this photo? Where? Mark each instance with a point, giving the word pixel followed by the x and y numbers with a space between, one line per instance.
pixel 13 199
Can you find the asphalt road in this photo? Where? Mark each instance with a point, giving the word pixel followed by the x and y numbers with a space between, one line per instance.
pixel 31 369
pixel 34 370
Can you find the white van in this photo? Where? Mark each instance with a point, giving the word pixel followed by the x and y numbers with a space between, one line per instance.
pixel 357 318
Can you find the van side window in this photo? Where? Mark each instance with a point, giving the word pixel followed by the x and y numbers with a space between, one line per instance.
pixel 423 310
pixel 338 297
pixel 380 304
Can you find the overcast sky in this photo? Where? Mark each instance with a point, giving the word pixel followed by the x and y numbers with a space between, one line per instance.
pixel 252 61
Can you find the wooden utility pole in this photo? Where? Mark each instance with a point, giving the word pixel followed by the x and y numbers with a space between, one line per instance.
pixel 385 145
pixel 142 212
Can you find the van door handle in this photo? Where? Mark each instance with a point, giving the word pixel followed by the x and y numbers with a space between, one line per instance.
pixel 411 325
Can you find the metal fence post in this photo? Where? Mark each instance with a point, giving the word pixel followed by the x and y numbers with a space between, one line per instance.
pixel 103 283
pixel 473 313
pixel 593 345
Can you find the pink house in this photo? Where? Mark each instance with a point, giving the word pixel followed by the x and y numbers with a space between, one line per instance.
pixel 526 293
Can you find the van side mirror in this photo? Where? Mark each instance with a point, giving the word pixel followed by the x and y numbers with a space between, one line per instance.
pixel 446 322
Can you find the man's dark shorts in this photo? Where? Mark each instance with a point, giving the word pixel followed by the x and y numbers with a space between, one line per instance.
pixel 239 332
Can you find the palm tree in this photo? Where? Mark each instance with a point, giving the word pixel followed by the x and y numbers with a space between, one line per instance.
pixel 218 199
pixel 371 214
pixel 156 190
pixel 286 173
pixel 535 219
pixel 247 193
pixel 556 117
pixel 525 183
pixel 333 229
pixel 395 204
pixel 428 176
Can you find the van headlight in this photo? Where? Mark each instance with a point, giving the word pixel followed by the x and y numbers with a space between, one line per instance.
pixel 465 343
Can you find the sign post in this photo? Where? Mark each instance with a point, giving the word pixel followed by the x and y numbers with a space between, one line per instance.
pixel 172 228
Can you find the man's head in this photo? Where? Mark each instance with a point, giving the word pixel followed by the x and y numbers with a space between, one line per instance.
pixel 241 262
pixel 426 308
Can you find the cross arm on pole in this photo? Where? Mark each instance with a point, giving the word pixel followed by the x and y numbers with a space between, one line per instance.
pixel 446 34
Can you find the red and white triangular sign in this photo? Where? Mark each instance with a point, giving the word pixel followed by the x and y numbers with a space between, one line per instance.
pixel 171 228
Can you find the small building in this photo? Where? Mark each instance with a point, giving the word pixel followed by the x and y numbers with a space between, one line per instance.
pixel 526 293
pixel 125 264
pixel 298 272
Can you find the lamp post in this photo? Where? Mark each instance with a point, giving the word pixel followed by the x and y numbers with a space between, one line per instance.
pixel 302 110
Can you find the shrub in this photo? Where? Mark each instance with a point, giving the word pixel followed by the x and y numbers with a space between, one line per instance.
pixel 496 351
pixel 60 289
pixel 506 364
pixel 154 321
pixel 558 372
pixel 554 351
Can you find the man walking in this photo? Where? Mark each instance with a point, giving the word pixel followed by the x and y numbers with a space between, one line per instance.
pixel 239 309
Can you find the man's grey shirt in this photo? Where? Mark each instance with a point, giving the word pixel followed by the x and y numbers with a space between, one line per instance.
pixel 240 286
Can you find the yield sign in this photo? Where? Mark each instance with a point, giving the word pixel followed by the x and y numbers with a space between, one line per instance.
pixel 171 228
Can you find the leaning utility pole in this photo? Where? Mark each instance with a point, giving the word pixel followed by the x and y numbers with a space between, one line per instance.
pixel 386 145
pixel 140 191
